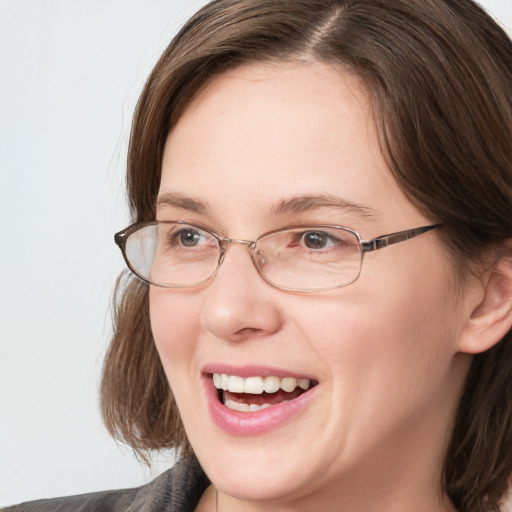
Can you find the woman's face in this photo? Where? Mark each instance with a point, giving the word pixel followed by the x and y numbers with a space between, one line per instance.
pixel 265 147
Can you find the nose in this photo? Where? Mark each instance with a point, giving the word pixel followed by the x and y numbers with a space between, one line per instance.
pixel 239 303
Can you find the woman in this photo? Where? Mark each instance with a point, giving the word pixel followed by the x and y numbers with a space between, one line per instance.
pixel 322 197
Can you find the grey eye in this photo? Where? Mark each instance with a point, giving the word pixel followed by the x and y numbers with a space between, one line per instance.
pixel 316 239
pixel 189 237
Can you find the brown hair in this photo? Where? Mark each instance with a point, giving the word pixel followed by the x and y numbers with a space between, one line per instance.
pixel 439 73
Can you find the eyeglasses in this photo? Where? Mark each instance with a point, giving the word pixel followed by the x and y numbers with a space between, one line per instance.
pixel 176 254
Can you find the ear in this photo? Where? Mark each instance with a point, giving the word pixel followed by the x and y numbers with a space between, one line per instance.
pixel 491 313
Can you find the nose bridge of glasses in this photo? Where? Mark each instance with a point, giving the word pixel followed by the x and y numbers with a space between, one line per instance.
pixel 224 242
pixel 223 245
pixel 249 244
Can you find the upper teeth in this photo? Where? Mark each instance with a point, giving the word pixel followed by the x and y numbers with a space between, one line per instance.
pixel 257 385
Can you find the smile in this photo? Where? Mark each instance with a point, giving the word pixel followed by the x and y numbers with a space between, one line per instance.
pixel 254 393
pixel 255 404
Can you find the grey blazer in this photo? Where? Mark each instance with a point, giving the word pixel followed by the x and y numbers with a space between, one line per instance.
pixel 177 490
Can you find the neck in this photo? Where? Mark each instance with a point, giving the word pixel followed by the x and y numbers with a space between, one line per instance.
pixel 372 494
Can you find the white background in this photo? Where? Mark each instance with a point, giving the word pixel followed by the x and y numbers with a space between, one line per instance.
pixel 70 74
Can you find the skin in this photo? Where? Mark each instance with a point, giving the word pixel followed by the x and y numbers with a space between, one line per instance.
pixel 387 350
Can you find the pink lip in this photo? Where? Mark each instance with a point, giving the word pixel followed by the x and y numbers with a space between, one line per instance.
pixel 257 422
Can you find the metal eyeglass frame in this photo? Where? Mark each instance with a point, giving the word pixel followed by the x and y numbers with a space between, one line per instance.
pixel 365 246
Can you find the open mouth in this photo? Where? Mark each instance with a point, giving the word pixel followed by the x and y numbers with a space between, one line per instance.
pixel 252 394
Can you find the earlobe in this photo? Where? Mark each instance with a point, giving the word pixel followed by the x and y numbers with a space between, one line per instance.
pixel 491 318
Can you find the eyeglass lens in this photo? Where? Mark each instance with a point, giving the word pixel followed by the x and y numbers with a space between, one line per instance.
pixel 305 258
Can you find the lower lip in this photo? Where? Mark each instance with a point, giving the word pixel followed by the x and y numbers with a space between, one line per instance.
pixel 257 422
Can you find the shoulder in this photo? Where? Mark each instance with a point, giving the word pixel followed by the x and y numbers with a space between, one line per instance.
pixel 177 490
pixel 109 501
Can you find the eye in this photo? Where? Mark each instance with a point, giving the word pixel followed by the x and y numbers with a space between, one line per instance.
pixel 190 237
pixel 318 239
pixel 180 237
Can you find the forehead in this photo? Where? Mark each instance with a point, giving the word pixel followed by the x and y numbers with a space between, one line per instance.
pixel 249 104
pixel 263 134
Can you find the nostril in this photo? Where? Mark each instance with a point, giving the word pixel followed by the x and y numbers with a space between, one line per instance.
pixel 248 331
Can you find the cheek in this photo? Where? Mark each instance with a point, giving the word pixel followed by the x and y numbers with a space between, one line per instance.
pixel 409 306
pixel 175 326
pixel 388 347
pixel 387 336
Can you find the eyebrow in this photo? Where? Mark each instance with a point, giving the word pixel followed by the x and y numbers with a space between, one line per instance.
pixel 183 202
pixel 307 203
pixel 296 204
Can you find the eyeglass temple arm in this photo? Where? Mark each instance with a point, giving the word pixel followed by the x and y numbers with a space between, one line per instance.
pixel 394 238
